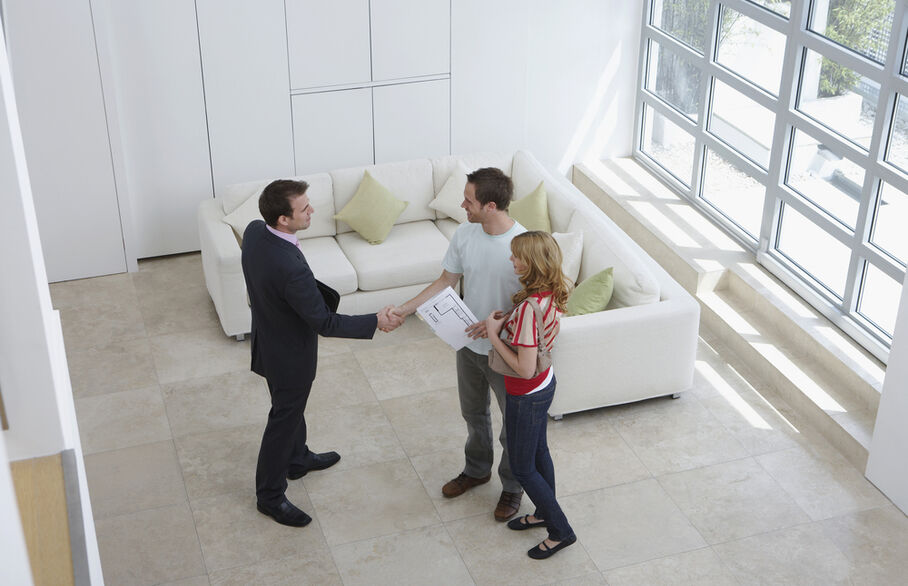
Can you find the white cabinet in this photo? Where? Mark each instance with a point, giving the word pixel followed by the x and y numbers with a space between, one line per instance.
pixel 328 42
pixel 332 130
pixel 412 120
pixel 410 39
pixel 247 89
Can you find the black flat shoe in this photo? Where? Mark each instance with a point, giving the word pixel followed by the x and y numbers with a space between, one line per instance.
pixel 541 552
pixel 285 513
pixel 314 462
pixel 521 523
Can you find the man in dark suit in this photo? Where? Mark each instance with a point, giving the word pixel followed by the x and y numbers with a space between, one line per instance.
pixel 290 308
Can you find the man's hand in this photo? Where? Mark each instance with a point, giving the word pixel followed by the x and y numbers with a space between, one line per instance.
pixel 477 330
pixel 387 320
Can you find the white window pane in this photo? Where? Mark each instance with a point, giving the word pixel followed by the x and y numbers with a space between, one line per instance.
pixel 890 223
pixel 742 123
pixel 668 144
pixel 686 20
pixel 838 98
pixel 734 193
pixel 897 149
pixel 782 7
pixel 752 50
pixel 831 182
pixel 814 250
pixel 880 299
pixel 860 25
pixel 674 79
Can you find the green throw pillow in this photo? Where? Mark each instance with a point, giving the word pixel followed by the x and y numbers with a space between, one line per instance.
pixel 372 211
pixel 532 211
pixel 592 295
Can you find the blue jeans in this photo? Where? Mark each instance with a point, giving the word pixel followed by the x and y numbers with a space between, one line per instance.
pixel 526 418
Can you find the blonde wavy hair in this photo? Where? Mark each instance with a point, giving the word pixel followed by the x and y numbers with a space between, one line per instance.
pixel 541 255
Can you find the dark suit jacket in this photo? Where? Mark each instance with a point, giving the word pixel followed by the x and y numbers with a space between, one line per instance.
pixel 289 310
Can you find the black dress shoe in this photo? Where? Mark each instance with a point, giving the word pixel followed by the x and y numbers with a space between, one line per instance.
pixel 541 551
pixel 285 513
pixel 314 462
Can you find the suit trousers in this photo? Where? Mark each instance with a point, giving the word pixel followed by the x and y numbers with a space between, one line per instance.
pixel 283 443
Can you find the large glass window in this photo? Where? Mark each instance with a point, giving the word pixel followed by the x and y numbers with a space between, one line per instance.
pixel 804 118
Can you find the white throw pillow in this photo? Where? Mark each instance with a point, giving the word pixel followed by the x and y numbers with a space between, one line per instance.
pixel 244 214
pixel 571 244
pixel 450 197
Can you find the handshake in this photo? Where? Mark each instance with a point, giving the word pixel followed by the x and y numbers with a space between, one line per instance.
pixel 390 318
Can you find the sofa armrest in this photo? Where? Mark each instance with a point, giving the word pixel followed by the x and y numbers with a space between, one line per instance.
pixel 223 270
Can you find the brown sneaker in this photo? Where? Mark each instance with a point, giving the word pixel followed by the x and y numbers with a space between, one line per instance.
pixel 508 505
pixel 462 484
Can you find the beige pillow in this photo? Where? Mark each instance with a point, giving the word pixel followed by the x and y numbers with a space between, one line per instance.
pixel 532 211
pixel 243 215
pixel 449 198
pixel 571 245
pixel 372 211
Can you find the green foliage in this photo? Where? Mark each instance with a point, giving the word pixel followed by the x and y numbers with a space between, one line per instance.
pixel 851 23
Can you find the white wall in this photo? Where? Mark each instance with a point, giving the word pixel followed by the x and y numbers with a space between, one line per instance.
pixel 33 372
pixel 555 78
pixel 887 466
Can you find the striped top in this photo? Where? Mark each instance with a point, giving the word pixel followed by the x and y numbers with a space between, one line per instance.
pixel 520 330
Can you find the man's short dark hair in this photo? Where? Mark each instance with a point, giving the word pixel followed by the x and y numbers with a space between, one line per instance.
pixel 492 185
pixel 275 199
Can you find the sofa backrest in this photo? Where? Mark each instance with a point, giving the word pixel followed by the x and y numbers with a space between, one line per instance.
pixel 410 181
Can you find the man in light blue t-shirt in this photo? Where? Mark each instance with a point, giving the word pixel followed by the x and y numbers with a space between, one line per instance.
pixel 480 252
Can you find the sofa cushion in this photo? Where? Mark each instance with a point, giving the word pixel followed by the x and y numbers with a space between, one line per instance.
pixel 602 248
pixel 329 264
pixel 449 199
pixel 571 245
pixel 442 167
pixel 410 181
pixel 447 227
pixel 410 255
pixel 532 210
pixel 233 196
pixel 320 197
pixel 372 211
pixel 592 295
pixel 560 193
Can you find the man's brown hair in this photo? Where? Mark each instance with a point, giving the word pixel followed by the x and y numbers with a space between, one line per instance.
pixel 492 185
pixel 275 199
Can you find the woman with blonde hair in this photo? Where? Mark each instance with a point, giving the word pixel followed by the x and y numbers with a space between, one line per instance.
pixel 526 333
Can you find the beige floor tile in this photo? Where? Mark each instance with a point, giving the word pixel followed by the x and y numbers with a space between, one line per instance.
pixel 121 420
pixel 339 382
pixel 757 424
pixel 629 524
pixel 118 366
pixel 370 501
pixel 438 468
pixel 177 310
pixel 117 289
pixel 361 434
pixel 206 404
pixel 199 353
pixel 95 326
pixel 169 272
pixel 732 500
pixel 233 533
pixel 194 581
pixel 591 579
pixel 222 461
pixel 677 434
pixel 313 567
pixel 134 479
pixel 590 454
pixel 800 555
pixel 496 555
pixel 875 542
pixel 701 567
pixel 413 329
pixel 427 422
pixel 409 368
pixel 149 547
pixel 421 556
pixel 821 481
pixel 332 346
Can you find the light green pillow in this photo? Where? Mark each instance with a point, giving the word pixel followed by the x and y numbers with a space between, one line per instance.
pixel 592 295
pixel 532 211
pixel 372 211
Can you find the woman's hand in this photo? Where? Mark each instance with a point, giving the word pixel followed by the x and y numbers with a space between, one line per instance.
pixel 494 323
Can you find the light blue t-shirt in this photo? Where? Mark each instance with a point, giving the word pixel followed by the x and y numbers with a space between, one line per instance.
pixel 488 275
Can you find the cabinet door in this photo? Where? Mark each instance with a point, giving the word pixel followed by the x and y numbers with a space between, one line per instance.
pixel 332 130
pixel 247 89
pixel 328 42
pixel 412 120
pixel 410 39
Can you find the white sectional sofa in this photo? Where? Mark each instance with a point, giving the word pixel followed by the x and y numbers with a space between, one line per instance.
pixel 643 345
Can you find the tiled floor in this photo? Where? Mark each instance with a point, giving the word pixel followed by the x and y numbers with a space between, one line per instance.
pixel 717 487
